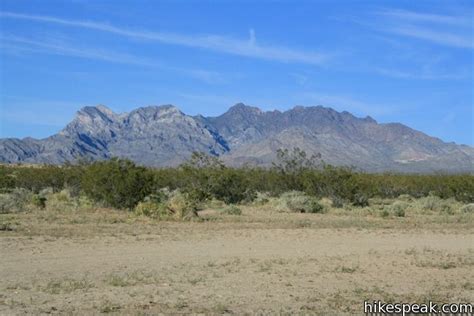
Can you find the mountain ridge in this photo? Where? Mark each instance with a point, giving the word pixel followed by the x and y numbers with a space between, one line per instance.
pixel 163 135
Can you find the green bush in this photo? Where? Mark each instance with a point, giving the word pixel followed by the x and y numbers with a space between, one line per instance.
pixel 39 201
pixel 205 177
pixel 117 183
pixel 230 186
pixel 37 178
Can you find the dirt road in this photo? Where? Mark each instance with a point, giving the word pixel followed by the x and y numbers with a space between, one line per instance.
pixel 186 269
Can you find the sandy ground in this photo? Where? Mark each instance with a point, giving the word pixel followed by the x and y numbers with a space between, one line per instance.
pixel 227 267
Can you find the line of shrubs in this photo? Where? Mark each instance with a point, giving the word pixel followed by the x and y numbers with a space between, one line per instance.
pixel 122 184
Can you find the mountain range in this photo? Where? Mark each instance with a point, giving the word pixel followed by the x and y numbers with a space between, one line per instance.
pixel 161 136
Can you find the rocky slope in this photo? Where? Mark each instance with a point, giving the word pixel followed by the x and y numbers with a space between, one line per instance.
pixel 164 136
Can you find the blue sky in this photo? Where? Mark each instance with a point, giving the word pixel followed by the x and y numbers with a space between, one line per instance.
pixel 397 61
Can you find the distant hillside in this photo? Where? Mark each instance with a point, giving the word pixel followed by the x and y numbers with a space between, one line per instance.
pixel 164 136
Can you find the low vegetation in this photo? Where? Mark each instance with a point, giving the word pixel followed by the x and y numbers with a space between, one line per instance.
pixel 295 183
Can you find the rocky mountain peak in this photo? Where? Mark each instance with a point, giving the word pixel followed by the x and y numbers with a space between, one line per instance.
pixel 243 109
pixel 92 120
pixel 165 136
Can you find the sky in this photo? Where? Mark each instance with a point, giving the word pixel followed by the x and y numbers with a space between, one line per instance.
pixel 397 61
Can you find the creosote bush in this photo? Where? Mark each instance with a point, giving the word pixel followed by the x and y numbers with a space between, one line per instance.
pixel 117 183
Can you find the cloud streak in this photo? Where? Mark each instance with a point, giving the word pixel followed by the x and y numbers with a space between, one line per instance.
pixel 447 30
pixel 437 37
pixel 241 47
pixel 426 17
pixel 55 47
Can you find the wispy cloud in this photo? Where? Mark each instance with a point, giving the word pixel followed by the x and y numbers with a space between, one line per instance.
pixel 17 45
pixel 242 47
pixel 448 30
pixel 422 74
pixel 426 17
pixel 438 37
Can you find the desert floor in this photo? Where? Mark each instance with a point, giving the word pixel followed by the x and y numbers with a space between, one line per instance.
pixel 260 262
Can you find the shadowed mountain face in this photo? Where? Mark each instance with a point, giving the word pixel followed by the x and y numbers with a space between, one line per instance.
pixel 164 136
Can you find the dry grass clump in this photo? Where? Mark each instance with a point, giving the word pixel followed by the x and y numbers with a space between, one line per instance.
pixel 398 208
pixel 261 198
pixel 232 210
pixel 18 200
pixel 468 208
pixel 436 204
pixel 151 209
pixel 63 201
pixel 297 202
pixel 171 206
pixel 182 206
pixel 22 200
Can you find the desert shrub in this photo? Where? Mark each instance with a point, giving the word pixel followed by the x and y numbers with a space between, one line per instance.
pixel 64 201
pixel 60 201
pixel 360 200
pixel 37 178
pixel 398 208
pixel 337 202
pixel 230 186
pixel 261 198
pixel 46 191
pixel 468 208
pixel 434 203
pixel 232 210
pixel 205 177
pixel 117 183
pixel 174 205
pixel 152 209
pixel 182 206
pixel 7 182
pixel 15 201
pixel 120 183
pixel 154 205
pixel 39 201
pixel 300 202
